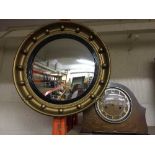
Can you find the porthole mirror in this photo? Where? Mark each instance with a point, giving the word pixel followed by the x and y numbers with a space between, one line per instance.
pixel 61 69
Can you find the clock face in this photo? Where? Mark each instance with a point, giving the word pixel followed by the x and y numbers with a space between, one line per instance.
pixel 114 106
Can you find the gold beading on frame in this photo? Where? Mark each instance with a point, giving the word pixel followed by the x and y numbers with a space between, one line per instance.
pixel 23 54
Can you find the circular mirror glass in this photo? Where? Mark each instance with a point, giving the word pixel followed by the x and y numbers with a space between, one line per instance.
pixel 62 69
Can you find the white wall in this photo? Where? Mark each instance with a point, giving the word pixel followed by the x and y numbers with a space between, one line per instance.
pixel 15 116
pixel 132 65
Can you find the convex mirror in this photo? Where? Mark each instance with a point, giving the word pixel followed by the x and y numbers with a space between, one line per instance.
pixel 61 69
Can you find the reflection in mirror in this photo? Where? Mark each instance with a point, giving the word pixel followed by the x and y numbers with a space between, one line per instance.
pixel 63 69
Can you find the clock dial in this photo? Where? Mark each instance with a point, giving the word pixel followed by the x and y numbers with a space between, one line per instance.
pixel 114 106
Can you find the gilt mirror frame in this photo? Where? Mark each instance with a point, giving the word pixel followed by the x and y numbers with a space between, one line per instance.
pixel 35 39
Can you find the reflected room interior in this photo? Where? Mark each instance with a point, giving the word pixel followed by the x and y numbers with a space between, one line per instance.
pixel 63 69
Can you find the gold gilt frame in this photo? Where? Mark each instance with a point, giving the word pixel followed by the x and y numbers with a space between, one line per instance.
pixel 25 50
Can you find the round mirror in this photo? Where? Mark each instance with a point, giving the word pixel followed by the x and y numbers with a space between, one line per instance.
pixel 61 69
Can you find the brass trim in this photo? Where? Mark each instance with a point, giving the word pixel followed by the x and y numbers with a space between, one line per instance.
pixel 26 48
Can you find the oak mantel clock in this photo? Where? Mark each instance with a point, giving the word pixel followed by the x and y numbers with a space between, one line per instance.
pixel 117 112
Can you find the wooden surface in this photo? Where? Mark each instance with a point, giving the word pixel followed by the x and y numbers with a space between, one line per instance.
pixel 76 129
pixel 134 124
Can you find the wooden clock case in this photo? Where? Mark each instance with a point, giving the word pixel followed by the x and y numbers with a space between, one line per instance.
pixel 134 124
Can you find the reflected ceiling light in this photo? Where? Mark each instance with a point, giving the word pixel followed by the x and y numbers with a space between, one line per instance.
pixel 82 67
pixel 85 61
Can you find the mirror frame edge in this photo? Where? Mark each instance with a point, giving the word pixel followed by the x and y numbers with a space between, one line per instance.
pixel 27 46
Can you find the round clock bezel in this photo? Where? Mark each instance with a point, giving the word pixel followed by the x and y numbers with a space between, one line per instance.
pixel 120 120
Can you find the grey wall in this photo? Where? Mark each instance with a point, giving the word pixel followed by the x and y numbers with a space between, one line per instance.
pixel 136 70
pixel 132 65
pixel 15 116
